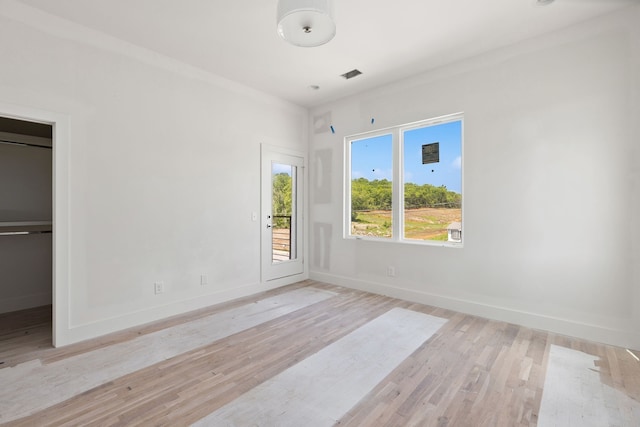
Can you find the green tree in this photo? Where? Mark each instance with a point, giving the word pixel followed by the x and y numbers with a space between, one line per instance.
pixel 281 203
pixel 377 195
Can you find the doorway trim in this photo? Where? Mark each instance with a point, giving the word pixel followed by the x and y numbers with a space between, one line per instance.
pixel 60 210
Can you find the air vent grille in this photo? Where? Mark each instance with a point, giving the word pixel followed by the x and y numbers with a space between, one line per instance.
pixel 351 74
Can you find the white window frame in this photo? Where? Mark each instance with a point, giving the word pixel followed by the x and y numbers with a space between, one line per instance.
pixel 397 196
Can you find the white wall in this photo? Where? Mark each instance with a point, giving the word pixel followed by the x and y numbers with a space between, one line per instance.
pixel 551 185
pixel 25 272
pixel 158 168
pixel 25 183
pixel 25 195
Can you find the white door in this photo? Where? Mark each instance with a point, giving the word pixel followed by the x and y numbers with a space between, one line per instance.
pixel 282 213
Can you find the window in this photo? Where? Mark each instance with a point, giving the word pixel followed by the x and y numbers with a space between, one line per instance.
pixel 372 186
pixel 405 183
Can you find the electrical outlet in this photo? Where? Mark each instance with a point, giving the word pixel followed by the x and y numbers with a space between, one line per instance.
pixel 203 280
pixel 391 271
pixel 158 287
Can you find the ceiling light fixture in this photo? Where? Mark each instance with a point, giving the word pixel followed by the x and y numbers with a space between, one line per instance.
pixel 306 23
pixel 544 2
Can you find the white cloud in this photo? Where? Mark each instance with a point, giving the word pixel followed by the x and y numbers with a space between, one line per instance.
pixel 457 163
pixel 382 174
pixel 408 176
pixel 280 168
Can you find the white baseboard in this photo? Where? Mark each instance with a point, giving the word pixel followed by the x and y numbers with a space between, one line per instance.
pixel 77 333
pixel 618 337
pixel 7 305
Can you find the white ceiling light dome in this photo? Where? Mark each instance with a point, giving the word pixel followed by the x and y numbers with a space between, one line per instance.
pixel 306 23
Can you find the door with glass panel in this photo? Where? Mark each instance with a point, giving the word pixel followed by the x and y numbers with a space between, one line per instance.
pixel 282 204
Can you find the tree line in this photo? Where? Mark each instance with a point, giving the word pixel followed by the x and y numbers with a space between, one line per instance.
pixel 369 196
pixel 377 195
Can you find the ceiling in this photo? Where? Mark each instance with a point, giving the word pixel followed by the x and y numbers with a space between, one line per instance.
pixel 386 40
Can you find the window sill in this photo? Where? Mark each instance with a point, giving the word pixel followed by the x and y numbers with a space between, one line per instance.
pixel 434 243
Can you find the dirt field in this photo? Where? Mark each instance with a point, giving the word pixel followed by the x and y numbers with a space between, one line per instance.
pixel 420 224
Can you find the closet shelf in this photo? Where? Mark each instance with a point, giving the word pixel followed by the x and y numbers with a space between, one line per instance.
pixel 25 227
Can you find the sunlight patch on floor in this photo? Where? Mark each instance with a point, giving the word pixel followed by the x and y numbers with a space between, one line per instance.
pixel 319 390
pixel 32 386
pixel 574 394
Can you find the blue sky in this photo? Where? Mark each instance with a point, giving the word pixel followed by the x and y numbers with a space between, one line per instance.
pixel 280 168
pixel 371 158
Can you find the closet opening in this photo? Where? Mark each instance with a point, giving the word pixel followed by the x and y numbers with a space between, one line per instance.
pixel 26 238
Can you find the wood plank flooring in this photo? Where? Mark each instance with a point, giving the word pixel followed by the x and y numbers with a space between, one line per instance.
pixel 472 372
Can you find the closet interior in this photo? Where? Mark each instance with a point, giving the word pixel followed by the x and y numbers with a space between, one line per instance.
pixel 26 196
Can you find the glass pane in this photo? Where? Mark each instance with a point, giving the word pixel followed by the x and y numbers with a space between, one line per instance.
pixel 433 182
pixel 371 186
pixel 282 212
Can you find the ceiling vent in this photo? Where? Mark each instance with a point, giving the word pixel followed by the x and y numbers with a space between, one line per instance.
pixel 351 74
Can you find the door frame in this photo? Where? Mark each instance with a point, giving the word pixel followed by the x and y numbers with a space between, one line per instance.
pixel 60 211
pixel 266 150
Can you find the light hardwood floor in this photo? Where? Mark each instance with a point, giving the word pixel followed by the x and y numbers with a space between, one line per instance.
pixel 472 372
